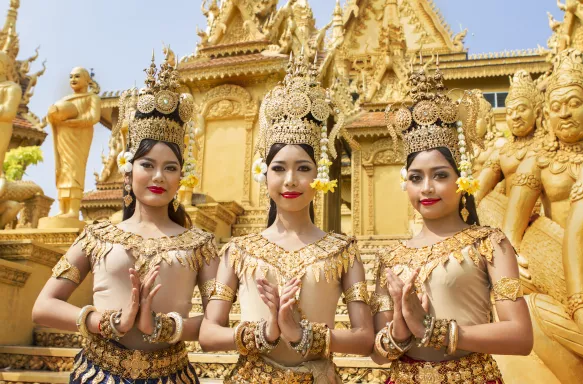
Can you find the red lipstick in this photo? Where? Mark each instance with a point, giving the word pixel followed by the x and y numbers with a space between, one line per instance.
pixel 427 202
pixel 156 190
pixel 291 195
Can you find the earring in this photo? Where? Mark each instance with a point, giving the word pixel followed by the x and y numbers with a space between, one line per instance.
pixel 175 204
pixel 268 208
pixel 465 213
pixel 128 199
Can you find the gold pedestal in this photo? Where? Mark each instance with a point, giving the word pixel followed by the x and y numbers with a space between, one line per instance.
pixel 60 222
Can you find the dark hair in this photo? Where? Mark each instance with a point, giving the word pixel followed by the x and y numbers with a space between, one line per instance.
pixel 179 216
pixel 275 148
pixel 470 201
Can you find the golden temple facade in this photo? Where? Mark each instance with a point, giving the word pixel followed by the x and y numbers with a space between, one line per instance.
pixel 364 53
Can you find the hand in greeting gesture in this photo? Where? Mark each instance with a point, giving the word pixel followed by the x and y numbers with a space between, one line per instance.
pixel 145 317
pixel 415 306
pixel 395 285
pixel 128 315
pixel 289 327
pixel 270 295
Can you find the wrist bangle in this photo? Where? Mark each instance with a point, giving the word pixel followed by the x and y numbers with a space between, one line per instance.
pixel 115 319
pixel 261 342
pixel 238 336
pixel 82 320
pixel 453 337
pixel 153 338
pixel 303 346
pixel 178 327
pixel 402 347
pixel 429 323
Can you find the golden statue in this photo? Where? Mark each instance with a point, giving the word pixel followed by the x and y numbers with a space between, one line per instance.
pixel 524 119
pixel 72 119
pixel 552 244
pixel 486 130
pixel 10 96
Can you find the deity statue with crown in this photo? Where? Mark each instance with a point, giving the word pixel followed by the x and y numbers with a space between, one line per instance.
pixel 551 244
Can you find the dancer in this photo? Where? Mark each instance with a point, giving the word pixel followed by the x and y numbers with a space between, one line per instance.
pixel 289 277
pixel 432 302
pixel 145 268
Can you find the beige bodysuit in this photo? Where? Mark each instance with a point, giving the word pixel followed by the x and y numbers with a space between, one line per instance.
pixel 112 252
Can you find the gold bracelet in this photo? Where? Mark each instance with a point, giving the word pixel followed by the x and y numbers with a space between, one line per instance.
pixel 178 327
pixel 357 292
pixel 167 328
pixel 574 303
pixel 328 342
pixel 453 337
pixel 207 289
pixel 429 323
pixel 82 320
pixel 319 335
pixel 238 336
pixel 401 347
pixel 381 303
pixel 439 333
pixel 507 288
pixel 261 342
pixel 65 270
pixel 249 338
pixel 105 325
pixel 383 346
pixel 223 292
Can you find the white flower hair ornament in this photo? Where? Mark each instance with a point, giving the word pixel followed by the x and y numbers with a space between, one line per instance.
pixel 124 164
pixel 259 170
pixel 404 179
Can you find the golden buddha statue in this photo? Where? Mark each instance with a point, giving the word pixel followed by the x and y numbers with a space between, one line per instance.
pixel 72 119
pixel 486 131
pixel 524 119
pixel 10 95
pixel 552 244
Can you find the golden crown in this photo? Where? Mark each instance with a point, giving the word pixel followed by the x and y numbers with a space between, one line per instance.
pixel 567 70
pixel 433 120
pixel 296 110
pixel 161 112
pixel 522 85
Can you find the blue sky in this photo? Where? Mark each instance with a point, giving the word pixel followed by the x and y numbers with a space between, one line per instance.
pixel 116 38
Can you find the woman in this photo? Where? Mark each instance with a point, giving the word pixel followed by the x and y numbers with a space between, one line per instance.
pixel 432 301
pixel 289 277
pixel 145 268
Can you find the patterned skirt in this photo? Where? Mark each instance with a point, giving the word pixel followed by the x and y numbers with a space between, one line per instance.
pixel 107 362
pixel 476 368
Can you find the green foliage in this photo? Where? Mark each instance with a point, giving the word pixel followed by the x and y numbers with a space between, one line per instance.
pixel 17 159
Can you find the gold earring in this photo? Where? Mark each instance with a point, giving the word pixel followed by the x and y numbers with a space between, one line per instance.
pixel 268 208
pixel 128 199
pixel 465 213
pixel 175 204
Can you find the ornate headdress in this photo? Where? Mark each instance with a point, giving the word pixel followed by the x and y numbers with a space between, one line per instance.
pixel 296 112
pixel 522 85
pixel 434 120
pixel 162 114
pixel 567 70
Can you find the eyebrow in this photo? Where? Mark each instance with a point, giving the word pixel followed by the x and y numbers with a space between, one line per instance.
pixel 153 161
pixel 297 161
pixel 432 169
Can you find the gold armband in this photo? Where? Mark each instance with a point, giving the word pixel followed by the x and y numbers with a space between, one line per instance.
pixel 207 288
pixel 574 303
pixel 530 180
pixel 223 292
pixel 507 288
pixel 577 191
pixel 493 165
pixel 357 292
pixel 381 303
pixel 65 270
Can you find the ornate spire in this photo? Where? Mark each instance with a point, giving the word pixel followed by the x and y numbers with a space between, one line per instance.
pixel 8 38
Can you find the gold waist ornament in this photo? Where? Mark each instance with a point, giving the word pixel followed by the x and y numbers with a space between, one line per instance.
pixel 257 369
pixel 474 368
pixel 135 364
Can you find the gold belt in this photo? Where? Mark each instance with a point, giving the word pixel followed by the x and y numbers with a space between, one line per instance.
pixel 474 368
pixel 254 369
pixel 134 363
